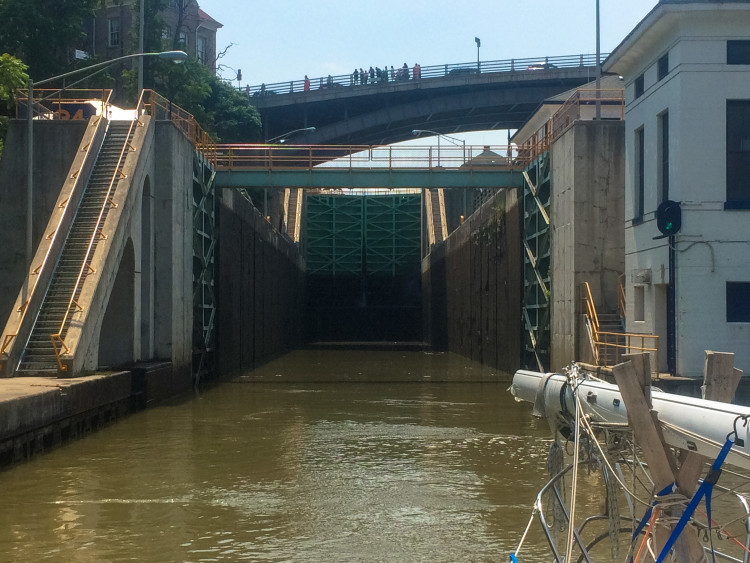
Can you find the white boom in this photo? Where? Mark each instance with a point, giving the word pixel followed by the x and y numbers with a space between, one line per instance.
pixel 691 424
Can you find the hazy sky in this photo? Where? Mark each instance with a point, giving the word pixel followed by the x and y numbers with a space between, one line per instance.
pixel 281 40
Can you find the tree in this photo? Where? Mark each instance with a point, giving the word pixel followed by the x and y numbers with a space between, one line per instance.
pixel 12 76
pixel 222 111
pixel 43 33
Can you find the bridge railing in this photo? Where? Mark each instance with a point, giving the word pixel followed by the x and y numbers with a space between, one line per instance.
pixel 280 157
pixel 160 108
pixel 401 74
pixel 580 106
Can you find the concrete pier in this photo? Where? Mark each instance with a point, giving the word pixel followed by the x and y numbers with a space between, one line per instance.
pixel 40 413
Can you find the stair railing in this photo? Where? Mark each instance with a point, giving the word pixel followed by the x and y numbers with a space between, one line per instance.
pixel 38 269
pixel 615 343
pixel 589 312
pixel 621 297
pixel 57 339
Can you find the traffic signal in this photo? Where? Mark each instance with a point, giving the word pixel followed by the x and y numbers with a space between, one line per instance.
pixel 668 217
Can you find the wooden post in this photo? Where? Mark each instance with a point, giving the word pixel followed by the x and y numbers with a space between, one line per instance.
pixel 633 377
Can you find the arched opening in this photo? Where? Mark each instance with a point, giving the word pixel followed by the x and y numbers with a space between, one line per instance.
pixel 117 337
pixel 146 273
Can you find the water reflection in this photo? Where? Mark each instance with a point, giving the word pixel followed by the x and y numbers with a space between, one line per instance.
pixel 320 456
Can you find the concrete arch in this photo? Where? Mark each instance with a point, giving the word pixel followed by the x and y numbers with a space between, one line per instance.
pixel 117 336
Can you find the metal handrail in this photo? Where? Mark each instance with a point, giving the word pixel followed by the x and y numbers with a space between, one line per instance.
pixel 296 157
pixel 85 265
pixel 613 100
pixel 453 70
pixel 621 295
pixel 590 308
pixel 58 98
pixel 160 108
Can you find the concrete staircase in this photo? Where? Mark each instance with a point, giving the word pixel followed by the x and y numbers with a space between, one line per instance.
pixel 293 212
pixel 38 356
pixel 435 211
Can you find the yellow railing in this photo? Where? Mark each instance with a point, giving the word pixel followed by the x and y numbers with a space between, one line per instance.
pixel 160 108
pixel 612 346
pixel 609 347
pixel 621 295
pixel 67 104
pixel 589 310
pixel 296 157
pixel 58 337
pixel 580 106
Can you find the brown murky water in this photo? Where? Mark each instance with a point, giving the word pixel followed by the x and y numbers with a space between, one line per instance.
pixel 318 456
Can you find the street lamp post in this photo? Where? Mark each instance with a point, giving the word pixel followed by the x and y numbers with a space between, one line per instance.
pixel 283 138
pixel 452 140
pixel 479 44
pixel 176 56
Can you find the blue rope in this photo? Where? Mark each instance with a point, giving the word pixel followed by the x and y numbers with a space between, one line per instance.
pixel 705 489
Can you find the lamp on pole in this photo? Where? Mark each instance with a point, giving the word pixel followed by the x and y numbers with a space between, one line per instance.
pixel 176 56
pixel 452 140
pixel 479 44
pixel 282 138
pixel 598 66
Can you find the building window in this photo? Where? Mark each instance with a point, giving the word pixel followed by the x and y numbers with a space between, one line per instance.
pixel 640 185
pixel 114 32
pixel 662 67
pixel 738 154
pixel 738 52
pixel 202 50
pixel 738 302
pixel 663 157
pixel 639 303
pixel 166 32
pixel 639 86
pixel 182 39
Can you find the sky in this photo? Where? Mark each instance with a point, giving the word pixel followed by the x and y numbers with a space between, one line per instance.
pixel 281 40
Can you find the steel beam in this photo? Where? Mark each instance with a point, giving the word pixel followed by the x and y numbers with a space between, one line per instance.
pixel 369 178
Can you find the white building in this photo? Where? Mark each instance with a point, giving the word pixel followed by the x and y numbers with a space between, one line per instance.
pixel 686 68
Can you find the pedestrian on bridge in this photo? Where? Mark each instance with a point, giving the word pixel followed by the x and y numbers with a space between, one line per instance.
pixel 355 77
pixel 307 84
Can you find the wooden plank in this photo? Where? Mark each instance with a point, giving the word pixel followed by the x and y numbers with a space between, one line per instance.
pixel 660 462
pixel 639 417
pixel 720 381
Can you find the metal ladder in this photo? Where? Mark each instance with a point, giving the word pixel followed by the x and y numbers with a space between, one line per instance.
pixel 39 354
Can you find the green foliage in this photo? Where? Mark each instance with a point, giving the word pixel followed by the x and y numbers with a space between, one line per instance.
pixel 235 120
pixel 12 76
pixel 43 32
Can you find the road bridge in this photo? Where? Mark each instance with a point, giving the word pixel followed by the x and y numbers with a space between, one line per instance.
pixel 449 98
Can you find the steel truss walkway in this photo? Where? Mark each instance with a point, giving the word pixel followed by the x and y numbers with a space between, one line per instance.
pixel 362 167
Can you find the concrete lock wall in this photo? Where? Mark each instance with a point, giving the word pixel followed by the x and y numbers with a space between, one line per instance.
pixel 586 222
pixel 471 287
pixel 260 288
pixel 55 145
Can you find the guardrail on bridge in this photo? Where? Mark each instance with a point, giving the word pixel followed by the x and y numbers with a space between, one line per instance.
pixel 405 74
